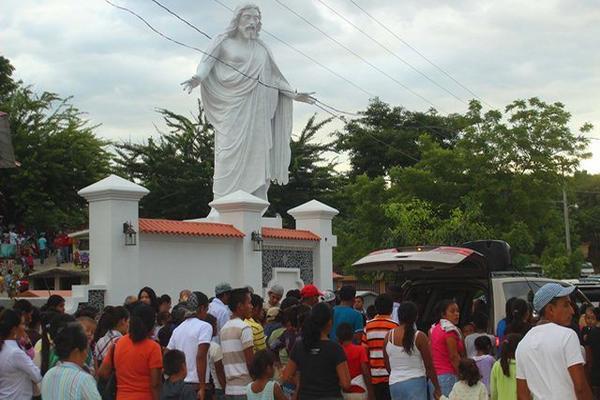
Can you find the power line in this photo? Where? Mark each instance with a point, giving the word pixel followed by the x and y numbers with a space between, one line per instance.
pixel 305 55
pixel 418 52
pixel 181 19
pixel 391 52
pixel 358 56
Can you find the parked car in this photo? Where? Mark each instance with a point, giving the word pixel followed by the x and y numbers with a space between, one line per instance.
pixel 428 275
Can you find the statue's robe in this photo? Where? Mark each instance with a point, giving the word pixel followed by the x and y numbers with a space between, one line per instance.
pixel 253 122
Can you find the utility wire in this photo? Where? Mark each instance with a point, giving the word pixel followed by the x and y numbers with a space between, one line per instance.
pixel 303 54
pixel 181 19
pixel 358 56
pixel 418 52
pixel 395 55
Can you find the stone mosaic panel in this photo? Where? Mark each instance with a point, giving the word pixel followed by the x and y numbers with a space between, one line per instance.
pixel 287 258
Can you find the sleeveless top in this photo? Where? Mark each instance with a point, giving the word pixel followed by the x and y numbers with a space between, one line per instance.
pixel 402 365
pixel 266 394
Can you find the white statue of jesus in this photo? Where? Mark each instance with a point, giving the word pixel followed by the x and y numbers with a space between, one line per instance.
pixel 252 121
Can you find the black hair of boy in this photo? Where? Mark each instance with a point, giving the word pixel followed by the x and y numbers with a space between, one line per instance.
pixel 344 332
pixel 347 293
pixel 237 297
pixel 483 344
pixel 257 301
pixel 384 304
pixel 262 360
pixel 164 299
pixel 71 337
pixel 173 362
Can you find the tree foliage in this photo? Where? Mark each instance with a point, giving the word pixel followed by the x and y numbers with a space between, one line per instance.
pixel 177 167
pixel 59 154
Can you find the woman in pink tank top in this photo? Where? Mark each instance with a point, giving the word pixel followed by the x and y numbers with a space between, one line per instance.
pixel 447 345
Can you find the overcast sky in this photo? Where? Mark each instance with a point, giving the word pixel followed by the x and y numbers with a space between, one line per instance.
pixel 119 72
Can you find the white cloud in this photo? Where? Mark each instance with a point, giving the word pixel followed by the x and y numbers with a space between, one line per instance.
pixel 120 72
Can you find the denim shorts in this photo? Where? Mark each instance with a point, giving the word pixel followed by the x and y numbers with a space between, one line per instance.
pixel 447 382
pixel 410 389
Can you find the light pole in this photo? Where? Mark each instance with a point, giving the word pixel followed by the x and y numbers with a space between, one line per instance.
pixel 566 217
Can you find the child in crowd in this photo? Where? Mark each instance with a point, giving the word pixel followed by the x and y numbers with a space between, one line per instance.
pixel 175 368
pixel 89 327
pixel 483 359
pixel 469 386
pixel 262 371
pixel 358 364
pixel 503 380
pixel 468 329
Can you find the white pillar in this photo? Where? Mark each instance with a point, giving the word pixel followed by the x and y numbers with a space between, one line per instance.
pixel 317 218
pixel 112 202
pixel 244 211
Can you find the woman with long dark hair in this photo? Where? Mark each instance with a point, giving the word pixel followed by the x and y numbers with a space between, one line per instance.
pixel 407 356
pixel 52 323
pixel 147 295
pixel 113 323
pixel 517 320
pixel 136 358
pixel 447 345
pixel 17 371
pixel 54 303
pixel 503 379
pixel 68 380
pixel 322 363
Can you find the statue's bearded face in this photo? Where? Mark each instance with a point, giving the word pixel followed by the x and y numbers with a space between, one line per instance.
pixel 249 23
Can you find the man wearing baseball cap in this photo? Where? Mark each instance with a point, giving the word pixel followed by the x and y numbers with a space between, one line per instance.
pixel 310 295
pixel 218 307
pixel 549 359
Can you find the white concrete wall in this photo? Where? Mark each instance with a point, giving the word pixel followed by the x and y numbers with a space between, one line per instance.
pixel 171 263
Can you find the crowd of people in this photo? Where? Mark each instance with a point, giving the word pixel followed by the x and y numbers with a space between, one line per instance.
pixel 304 345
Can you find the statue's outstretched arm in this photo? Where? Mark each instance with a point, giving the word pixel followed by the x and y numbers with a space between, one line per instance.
pixel 204 68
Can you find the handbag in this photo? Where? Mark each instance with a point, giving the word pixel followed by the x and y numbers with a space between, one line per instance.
pixel 109 386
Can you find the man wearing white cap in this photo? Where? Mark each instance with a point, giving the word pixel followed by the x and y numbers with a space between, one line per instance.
pixel 274 297
pixel 549 359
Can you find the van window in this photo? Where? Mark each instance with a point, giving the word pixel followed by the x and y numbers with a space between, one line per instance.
pixel 522 289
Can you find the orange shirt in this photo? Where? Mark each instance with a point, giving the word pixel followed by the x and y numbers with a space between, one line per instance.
pixel 133 362
pixel 373 339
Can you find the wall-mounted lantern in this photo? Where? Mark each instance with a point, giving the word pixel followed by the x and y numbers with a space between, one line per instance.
pixel 130 234
pixel 257 241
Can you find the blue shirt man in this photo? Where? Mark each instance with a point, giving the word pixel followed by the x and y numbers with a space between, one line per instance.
pixel 345 313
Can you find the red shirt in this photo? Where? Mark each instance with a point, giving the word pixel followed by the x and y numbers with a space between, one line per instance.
pixel 356 355
pixel 439 349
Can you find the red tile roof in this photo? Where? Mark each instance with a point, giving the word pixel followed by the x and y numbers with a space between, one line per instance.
pixel 45 293
pixel 171 227
pixel 289 234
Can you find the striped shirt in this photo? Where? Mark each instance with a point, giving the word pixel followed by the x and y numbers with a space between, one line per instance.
pixel 258 334
pixel 236 337
pixel 68 381
pixel 374 338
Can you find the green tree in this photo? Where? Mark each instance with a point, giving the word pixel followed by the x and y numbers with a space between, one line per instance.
pixel 177 168
pixel 311 175
pixel 59 154
pixel 585 192
pixel 385 136
pixel 7 84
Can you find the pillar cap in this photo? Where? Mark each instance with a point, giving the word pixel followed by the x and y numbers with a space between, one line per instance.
pixel 313 210
pixel 239 201
pixel 113 187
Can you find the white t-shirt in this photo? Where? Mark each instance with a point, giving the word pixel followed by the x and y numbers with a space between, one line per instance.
pixel 187 337
pixel 543 357
pixel 215 354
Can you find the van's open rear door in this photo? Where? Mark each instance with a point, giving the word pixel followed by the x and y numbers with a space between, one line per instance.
pixel 439 262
